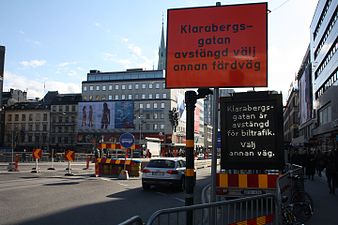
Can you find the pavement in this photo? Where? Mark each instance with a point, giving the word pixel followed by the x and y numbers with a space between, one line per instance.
pixel 325 204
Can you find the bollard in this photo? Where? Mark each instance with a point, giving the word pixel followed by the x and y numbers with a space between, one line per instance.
pixel 16 162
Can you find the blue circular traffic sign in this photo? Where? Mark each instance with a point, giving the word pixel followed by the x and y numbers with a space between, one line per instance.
pixel 126 140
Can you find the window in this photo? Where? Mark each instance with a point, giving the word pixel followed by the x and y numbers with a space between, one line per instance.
pixel 123 97
pixel 162 126
pixel 10 117
pixel 155 105
pixel 141 105
pixel 148 105
pixel 84 88
pixel 157 96
pixel 45 117
pixel 150 96
pixel 130 86
pixel 91 87
pixel 110 97
pixel 136 96
pixel 155 126
pixel 157 85
pixel 155 116
pixel 136 86
pixel 97 87
pixel 143 96
pixel 110 87
pixel 162 105
pixel 325 115
pixel 116 86
pixel 150 85
pixel 116 97
pixel 30 117
pixel 144 86
pixel 130 97
pixel 103 87
pixel 164 95
pixel 23 117
pixel 16 117
pixel 123 87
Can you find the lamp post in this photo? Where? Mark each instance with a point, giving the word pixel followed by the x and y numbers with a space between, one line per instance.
pixel 140 129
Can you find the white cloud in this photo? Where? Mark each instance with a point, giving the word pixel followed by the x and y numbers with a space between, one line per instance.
pixel 35 87
pixel 33 63
pixel 70 69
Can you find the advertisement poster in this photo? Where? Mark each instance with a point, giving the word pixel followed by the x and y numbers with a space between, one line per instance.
pixel 107 115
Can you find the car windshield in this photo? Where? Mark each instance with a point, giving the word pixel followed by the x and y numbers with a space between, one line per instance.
pixel 160 163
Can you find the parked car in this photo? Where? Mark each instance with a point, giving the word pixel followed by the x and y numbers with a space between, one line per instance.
pixel 165 172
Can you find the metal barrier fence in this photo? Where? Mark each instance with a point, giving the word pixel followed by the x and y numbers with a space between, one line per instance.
pixel 260 209
pixel 285 183
pixel 135 220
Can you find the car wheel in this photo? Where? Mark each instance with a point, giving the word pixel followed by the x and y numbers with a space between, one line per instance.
pixel 145 186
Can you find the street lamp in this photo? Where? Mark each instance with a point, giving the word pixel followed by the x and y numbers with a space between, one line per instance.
pixel 140 129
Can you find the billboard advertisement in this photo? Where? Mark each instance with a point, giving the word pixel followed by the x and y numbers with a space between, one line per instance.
pixel 252 131
pixel 106 115
pixel 305 96
pixel 219 46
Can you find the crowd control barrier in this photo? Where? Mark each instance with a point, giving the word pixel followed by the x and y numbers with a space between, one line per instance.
pixel 261 209
pixel 113 167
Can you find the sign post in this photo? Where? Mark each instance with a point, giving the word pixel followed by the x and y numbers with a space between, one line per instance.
pixel 37 154
pixel 126 141
pixel 69 156
pixel 222 46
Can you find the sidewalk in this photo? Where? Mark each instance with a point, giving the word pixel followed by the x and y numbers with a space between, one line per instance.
pixel 325 204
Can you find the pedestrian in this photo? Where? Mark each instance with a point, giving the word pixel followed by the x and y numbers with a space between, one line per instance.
pixel 331 173
pixel 320 162
pixel 310 166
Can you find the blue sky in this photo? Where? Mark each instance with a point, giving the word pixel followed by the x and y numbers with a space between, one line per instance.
pixel 54 44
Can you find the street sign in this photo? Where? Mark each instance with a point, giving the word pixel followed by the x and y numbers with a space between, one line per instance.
pixel 69 155
pixel 127 140
pixel 37 153
pixel 217 46
pixel 252 131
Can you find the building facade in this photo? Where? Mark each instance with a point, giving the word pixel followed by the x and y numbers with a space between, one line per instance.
pixel 291 117
pixel 63 122
pixel 324 57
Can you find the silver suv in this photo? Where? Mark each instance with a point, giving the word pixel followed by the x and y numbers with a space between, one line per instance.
pixel 164 172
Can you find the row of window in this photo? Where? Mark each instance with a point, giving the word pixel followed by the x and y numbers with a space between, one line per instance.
pixel 126 97
pixel 30 127
pixel 329 82
pixel 327 33
pixel 135 86
pixel 66 108
pixel 327 59
pixel 321 19
pixel 30 117
pixel 38 138
pixel 41 139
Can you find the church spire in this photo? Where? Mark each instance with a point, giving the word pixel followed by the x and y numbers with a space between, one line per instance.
pixel 162 50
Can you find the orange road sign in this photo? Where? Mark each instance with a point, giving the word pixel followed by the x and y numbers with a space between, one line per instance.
pixel 69 155
pixel 37 153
